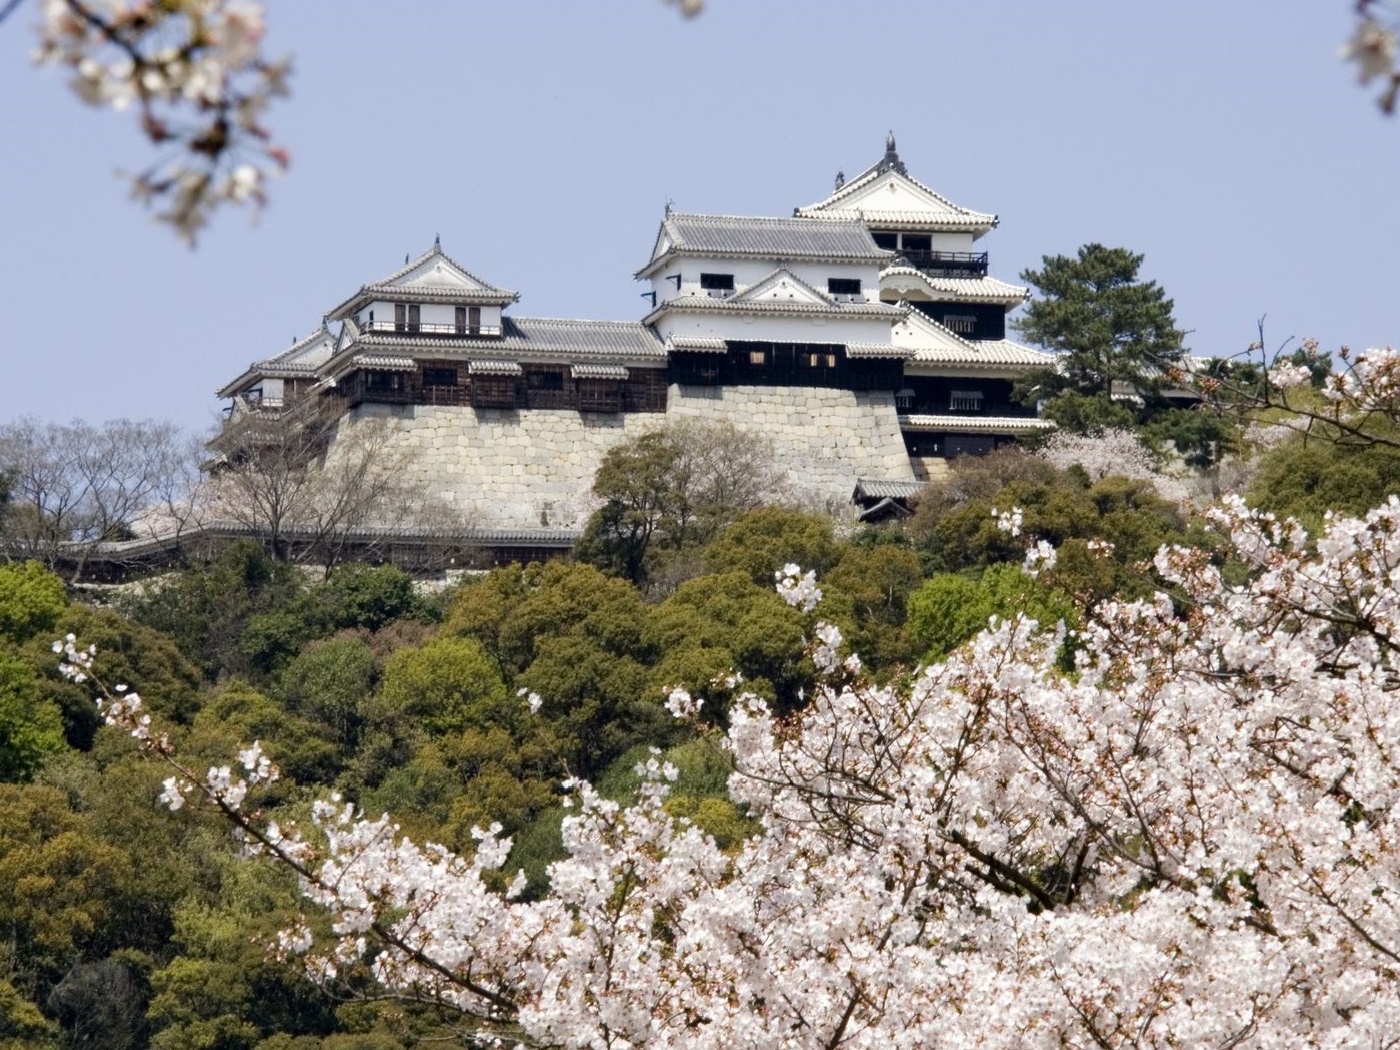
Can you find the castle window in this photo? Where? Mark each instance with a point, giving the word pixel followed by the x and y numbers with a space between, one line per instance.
pixel 384 382
pixel 493 391
pixel 888 241
pixel 819 360
pixel 406 317
pixel 599 395
pixel 843 285
pixel 468 320
pixel 966 401
pixel 439 377
pixel 717 284
pixel 758 357
pixel 963 324
pixel 545 380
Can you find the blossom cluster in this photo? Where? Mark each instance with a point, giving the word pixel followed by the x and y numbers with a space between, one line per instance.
pixel 194 72
pixel 1373 49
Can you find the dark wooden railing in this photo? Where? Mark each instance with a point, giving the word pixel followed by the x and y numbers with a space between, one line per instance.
pixel 947 264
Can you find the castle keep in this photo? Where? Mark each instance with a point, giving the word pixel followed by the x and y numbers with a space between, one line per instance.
pixel 863 336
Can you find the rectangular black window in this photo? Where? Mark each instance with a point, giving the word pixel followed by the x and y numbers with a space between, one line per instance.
pixel 545 380
pixel 468 320
pixel 384 382
pixel 406 317
pixel 918 242
pixel 717 282
pixel 439 377
pixel 888 241
pixel 843 285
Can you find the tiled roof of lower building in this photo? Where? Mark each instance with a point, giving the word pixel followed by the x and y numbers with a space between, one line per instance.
pixel 976 424
pixel 532 338
pixel 875 488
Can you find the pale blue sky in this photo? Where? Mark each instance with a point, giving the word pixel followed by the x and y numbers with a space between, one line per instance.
pixel 1221 138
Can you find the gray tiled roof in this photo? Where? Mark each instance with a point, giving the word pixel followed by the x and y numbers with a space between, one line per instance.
pixel 380 362
pixel 495 368
pixel 487 295
pixel 283 365
pixel 876 488
pixel 879 350
pixel 535 338
pixel 704 304
pixel 976 424
pixel 969 289
pixel 598 372
pixel 941 213
pixel 771 238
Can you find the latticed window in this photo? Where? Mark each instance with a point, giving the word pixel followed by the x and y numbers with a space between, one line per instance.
pixel 599 395
pixel 490 391
pixel 963 324
pixel 966 401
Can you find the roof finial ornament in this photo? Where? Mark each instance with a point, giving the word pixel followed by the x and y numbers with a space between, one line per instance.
pixel 669 205
pixel 405 258
pixel 840 179
pixel 891 161
pixel 437 241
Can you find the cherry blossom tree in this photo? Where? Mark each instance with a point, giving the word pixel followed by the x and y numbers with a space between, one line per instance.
pixel 1190 840
pixel 1356 403
pixel 194 74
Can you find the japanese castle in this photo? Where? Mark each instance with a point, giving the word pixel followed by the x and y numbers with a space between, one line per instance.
pixel 862 334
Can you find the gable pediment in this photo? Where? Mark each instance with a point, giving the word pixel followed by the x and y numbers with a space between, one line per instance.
pixel 781 286
pixel 895 192
pixel 438 273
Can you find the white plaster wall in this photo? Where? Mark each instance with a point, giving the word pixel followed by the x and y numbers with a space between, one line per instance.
pixel 825 439
pixel 748 271
pixel 783 328
pixel 431 313
pixel 953 242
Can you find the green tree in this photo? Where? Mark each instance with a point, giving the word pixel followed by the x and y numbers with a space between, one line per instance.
pixel 762 541
pixel 31 600
pixel 31 726
pixel 672 491
pixel 1109 325
pixel 328 683
pixel 1308 477
pixel 634 483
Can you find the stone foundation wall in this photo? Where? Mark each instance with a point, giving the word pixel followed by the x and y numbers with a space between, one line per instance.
pixel 824 438
pixel 495 468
